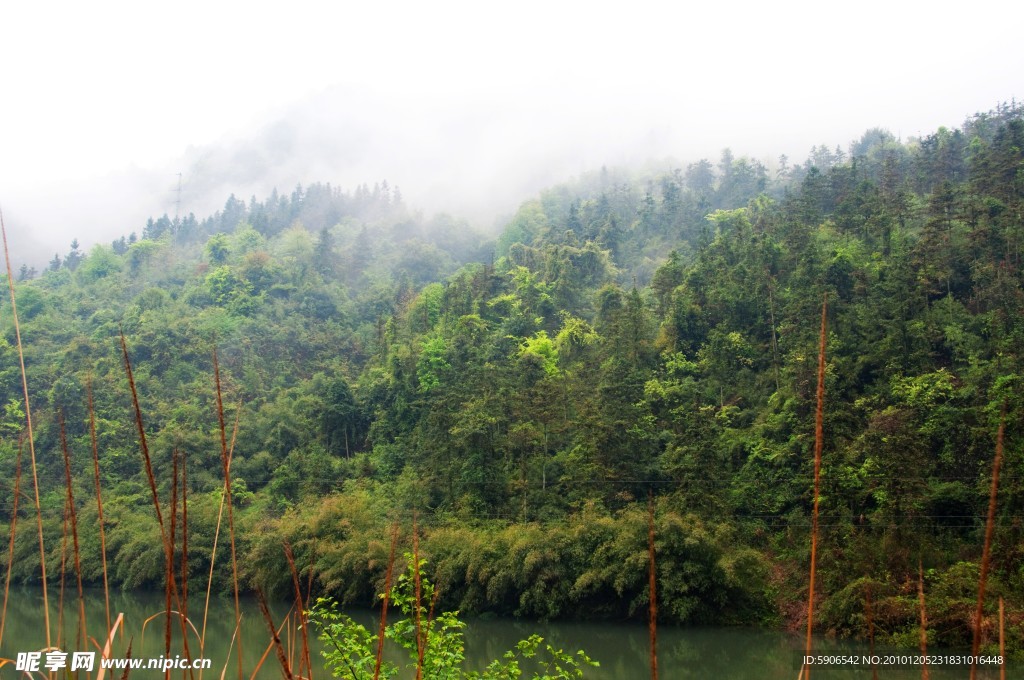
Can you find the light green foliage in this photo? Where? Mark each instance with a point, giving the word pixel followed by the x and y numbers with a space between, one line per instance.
pixel 247 240
pixel 574 336
pixel 13 420
pixel 230 291
pixel 924 391
pixel 295 245
pixel 101 262
pixel 535 293
pixel 730 220
pixel 350 649
pixel 425 311
pixel 543 349
pixel 431 364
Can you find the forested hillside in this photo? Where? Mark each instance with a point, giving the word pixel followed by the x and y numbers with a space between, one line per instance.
pixel 627 336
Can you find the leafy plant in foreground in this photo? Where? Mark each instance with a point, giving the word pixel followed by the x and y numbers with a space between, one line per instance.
pixel 350 649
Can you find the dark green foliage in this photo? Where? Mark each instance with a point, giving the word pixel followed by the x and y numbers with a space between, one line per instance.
pixel 631 335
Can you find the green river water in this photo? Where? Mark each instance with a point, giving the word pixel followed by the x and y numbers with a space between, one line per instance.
pixel 621 649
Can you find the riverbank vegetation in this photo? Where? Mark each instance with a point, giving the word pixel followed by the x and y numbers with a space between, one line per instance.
pixel 625 334
pixel 433 641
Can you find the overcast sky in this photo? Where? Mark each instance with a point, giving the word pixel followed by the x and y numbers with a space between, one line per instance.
pixel 103 102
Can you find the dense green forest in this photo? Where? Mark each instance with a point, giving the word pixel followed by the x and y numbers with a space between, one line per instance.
pixel 627 335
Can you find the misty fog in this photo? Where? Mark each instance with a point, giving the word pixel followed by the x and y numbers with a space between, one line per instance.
pixel 468 110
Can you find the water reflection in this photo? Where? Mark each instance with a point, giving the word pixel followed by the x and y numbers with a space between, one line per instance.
pixel 621 649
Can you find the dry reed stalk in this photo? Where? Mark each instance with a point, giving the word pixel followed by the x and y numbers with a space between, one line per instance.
pixel 653 626
pixel 105 653
pixel 127 655
pixel 10 547
pixel 266 652
pixel 312 565
pixel 227 493
pixel 417 584
pixel 74 532
pixel 924 621
pixel 184 538
pixel 216 533
pixel 1002 642
pixel 31 436
pixel 300 603
pixel 227 657
pixel 263 659
pixel 99 496
pixel 169 577
pixel 160 613
pixel 987 548
pixel 819 439
pixel 386 599
pixel 168 546
pixel 63 565
pixel 309 579
pixel 184 534
pixel 273 633
pixel 290 634
pixel 142 441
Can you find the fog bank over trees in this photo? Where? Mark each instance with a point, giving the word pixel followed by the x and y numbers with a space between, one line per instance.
pixel 467 109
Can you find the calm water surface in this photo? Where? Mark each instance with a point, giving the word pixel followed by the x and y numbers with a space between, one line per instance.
pixel 622 650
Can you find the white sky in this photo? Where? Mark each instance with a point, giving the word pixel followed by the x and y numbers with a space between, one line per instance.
pixel 114 90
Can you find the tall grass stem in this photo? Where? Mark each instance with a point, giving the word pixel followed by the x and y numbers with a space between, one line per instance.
pixel 281 656
pixel 301 607
pixel 384 601
pixel 99 496
pixel 73 515
pixel 10 547
pixel 986 551
pixel 31 436
pixel 819 439
pixel 227 491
